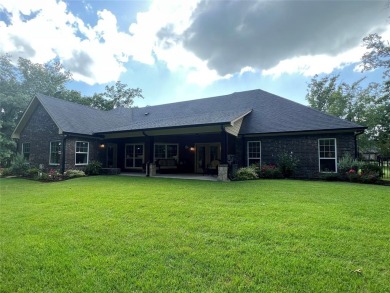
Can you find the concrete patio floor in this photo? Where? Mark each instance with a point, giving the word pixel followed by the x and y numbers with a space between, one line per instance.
pixel 175 176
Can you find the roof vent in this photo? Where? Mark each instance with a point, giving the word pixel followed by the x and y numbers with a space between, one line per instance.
pixel 146 113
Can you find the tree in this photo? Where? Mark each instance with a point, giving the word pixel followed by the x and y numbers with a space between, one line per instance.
pixel 377 55
pixel 366 105
pixel 119 95
pixel 18 85
pixel 20 82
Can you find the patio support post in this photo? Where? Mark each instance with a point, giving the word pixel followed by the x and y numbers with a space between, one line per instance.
pixel 152 166
pixel 224 145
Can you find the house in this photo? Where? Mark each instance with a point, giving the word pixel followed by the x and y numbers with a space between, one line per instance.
pixel 198 136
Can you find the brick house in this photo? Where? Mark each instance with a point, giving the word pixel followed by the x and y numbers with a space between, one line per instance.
pixel 198 136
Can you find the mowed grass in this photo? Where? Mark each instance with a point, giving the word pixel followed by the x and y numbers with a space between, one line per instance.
pixel 128 234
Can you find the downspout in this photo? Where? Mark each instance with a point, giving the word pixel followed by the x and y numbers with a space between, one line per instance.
pixel 63 154
pixel 356 145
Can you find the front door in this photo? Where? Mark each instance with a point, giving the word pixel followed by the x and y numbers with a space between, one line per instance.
pixel 205 154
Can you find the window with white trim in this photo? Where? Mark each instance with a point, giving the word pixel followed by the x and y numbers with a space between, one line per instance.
pixel 82 153
pixel 166 151
pixel 327 155
pixel 134 155
pixel 254 153
pixel 26 150
pixel 55 152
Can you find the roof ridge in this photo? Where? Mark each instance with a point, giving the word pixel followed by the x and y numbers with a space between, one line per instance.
pixel 70 102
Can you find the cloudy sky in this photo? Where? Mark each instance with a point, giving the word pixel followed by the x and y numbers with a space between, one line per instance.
pixel 180 50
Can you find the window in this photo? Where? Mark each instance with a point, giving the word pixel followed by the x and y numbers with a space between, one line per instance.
pixel 26 150
pixel 134 155
pixel 55 152
pixel 82 153
pixel 166 151
pixel 327 155
pixel 254 153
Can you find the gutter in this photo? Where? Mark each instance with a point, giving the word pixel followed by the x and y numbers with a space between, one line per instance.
pixel 356 145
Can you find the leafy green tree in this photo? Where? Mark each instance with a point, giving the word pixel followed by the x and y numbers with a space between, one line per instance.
pixel 20 82
pixel 377 55
pixel 18 85
pixel 366 105
pixel 120 95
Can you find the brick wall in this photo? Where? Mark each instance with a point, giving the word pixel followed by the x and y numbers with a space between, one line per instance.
pixel 41 130
pixel 304 147
pixel 70 154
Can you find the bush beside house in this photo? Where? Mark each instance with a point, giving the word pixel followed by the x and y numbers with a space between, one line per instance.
pixel 349 169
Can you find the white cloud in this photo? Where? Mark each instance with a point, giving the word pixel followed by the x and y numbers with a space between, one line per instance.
pixel 208 40
pixel 93 54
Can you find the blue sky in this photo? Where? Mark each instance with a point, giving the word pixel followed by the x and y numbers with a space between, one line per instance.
pixel 181 50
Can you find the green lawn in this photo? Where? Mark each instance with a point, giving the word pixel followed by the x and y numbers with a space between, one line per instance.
pixel 128 234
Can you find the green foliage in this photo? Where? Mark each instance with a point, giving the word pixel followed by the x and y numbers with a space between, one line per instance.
pixel 20 82
pixel 93 168
pixel 18 85
pixel 270 172
pixel 19 166
pixel 377 55
pixel 346 163
pixel 329 176
pixel 246 173
pixel 371 168
pixel 32 173
pixel 288 164
pixel 365 105
pixel 119 95
pixel 5 172
pixel 74 173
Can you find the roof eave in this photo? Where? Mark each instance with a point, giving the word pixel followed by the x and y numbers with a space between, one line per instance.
pixel 338 130
pixel 164 128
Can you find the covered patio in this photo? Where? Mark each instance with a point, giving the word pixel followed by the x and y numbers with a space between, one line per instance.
pixel 175 176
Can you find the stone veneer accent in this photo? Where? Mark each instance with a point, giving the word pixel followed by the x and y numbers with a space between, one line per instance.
pixel 223 172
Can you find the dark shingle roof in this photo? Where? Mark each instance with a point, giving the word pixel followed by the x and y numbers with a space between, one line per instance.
pixel 270 114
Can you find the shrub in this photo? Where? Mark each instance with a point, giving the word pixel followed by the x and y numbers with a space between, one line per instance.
pixel 32 173
pixel 6 172
pixel 371 168
pixel 347 163
pixel 93 168
pixel 74 173
pixel 353 175
pixel 329 176
pixel 270 172
pixel 19 166
pixel 52 175
pixel 369 177
pixel 246 173
pixel 287 164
